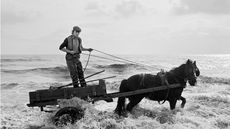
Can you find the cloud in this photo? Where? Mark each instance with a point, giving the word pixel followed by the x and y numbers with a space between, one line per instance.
pixel 96 9
pixel 129 8
pixel 121 9
pixel 12 18
pixel 92 6
pixel 202 6
pixel 13 13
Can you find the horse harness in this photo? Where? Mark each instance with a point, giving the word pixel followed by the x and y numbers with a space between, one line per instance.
pixel 163 76
pixel 164 81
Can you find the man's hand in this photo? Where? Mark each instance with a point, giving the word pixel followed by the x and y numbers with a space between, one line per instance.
pixel 68 51
pixel 72 52
pixel 90 49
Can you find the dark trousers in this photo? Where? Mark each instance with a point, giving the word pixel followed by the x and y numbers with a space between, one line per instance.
pixel 75 68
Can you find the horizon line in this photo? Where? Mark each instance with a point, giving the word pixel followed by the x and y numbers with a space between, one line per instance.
pixel 178 54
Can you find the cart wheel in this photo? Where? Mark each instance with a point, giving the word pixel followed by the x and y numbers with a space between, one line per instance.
pixel 68 115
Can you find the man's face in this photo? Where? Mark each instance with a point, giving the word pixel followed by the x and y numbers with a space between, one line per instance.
pixel 76 33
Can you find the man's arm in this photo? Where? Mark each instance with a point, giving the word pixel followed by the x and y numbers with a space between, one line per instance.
pixel 85 49
pixel 68 51
pixel 63 47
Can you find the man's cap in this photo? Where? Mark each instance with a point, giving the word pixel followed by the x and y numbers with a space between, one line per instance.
pixel 76 28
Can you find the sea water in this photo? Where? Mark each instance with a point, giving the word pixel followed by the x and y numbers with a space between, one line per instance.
pixel 208 103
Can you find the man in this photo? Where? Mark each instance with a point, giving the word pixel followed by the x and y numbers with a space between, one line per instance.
pixel 72 45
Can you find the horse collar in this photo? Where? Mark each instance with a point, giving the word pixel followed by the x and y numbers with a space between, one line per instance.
pixel 163 77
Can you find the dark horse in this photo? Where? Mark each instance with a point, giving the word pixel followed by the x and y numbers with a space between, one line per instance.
pixel 185 72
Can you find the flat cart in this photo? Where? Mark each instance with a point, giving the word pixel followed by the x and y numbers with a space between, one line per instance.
pixel 96 92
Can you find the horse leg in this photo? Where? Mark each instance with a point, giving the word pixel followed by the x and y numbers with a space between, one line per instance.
pixel 121 100
pixel 172 103
pixel 183 101
pixel 120 106
pixel 133 101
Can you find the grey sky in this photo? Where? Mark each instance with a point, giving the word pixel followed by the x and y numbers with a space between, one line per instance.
pixel 117 26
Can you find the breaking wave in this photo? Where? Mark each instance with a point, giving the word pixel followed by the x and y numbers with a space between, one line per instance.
pixel 212 80
pixel 120 68
pixel 94 118
pixel 22 60
pixel 193 117
pixel 54 70
pixel 8 85
pixel 214 101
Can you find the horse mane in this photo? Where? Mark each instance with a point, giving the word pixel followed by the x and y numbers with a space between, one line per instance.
pixel 178 70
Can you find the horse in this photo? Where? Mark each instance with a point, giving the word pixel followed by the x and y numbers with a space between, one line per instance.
pixel 187 72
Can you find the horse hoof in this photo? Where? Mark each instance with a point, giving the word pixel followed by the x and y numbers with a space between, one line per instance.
pixel 124 114
pixel 182 106
pixel 121 113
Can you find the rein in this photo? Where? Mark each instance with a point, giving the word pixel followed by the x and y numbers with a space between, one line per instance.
pixel 119 59
pixel 87 61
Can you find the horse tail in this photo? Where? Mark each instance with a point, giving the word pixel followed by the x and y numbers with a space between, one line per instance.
pixel 121 100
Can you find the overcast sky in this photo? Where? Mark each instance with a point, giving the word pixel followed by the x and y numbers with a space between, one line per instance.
pixel 117 26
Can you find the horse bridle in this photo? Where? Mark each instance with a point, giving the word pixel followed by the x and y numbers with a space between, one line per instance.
pixel 195 71
pixel 186 75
